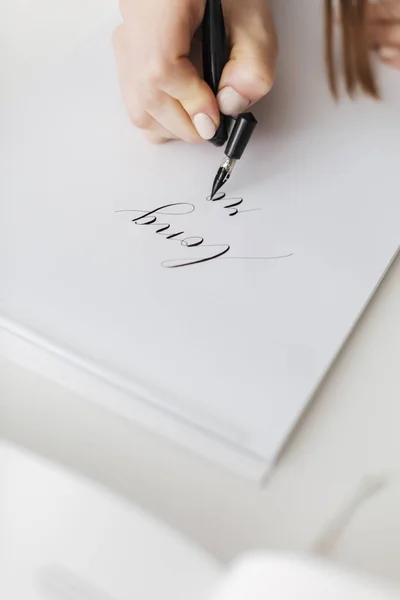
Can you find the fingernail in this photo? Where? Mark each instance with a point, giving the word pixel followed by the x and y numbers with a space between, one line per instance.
pixel 389 53
pixel 231 103
pixel 206 128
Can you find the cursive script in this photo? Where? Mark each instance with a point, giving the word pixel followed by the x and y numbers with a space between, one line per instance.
pixel 208 252
pixel 233 204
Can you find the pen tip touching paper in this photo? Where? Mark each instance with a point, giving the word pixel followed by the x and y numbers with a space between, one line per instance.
pixel 220 179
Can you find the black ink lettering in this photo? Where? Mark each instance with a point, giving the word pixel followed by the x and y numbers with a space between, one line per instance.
pixel 258 257
pixel 182 208
pixel 192 244
pixel 233 204
pixel 149 218
pixel 176 263
pixel 164 227
pixel 174 235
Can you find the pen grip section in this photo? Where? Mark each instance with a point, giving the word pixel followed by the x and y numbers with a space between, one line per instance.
pixel 240 135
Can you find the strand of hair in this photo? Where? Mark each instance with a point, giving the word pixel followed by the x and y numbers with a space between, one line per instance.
pixel 329 48
pixel 346 9
pixel 365 73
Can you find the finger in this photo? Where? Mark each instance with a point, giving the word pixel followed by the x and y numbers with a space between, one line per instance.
pixel 390 56
pixel 250 71
pixel 193 106
pixel 168 87
pixel 384 11
pixel 188 106
pixel 157 137
pixel 152 130
pixel 155 133
pixel 384 35
pixel 137 114
pixel 171 115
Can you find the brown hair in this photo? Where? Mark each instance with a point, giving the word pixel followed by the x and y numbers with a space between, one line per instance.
pixel 357 66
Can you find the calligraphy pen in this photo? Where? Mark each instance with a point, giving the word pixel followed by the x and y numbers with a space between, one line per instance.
pixel 235 131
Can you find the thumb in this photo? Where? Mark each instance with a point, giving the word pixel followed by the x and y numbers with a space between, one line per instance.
pixel 250 72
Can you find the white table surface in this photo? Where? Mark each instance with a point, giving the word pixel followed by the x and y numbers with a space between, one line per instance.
pixel 351 430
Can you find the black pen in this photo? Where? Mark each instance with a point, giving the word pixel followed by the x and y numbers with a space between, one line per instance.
pixel 237 131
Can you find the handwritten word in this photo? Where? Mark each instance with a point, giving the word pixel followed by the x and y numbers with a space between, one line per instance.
pixel 150 218
pixel 156 218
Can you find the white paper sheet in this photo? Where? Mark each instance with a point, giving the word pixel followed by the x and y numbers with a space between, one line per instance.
pixel 237 344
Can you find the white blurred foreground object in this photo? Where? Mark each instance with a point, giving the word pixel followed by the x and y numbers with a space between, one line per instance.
pixel 275 577
pixel 63 538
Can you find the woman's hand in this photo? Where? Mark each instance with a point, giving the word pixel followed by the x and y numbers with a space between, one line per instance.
pixel 163 91
pixel 384 30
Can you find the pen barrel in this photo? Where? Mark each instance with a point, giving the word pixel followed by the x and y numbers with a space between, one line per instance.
pixel 215 53
pixel 240 136
pixel 215 56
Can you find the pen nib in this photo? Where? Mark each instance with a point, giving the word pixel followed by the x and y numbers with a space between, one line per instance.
pixel 221 178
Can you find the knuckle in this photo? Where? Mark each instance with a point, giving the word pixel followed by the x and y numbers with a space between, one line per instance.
pixel 155 138
pixel 261 81
pixel 125 6
pixel 157 73
pixel 154 100
pixel 264 78
pixel 264 73
pixel 116 36
pixel 194 138
pixel 265 84
pixel 138 118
